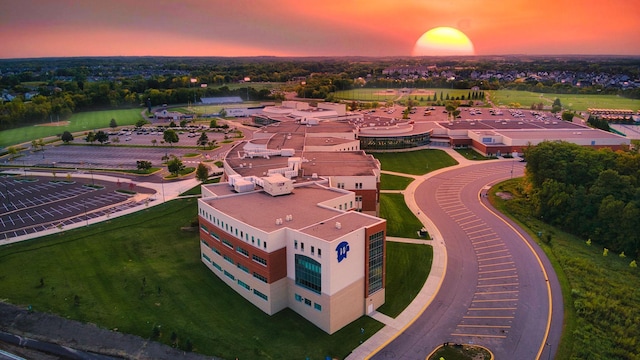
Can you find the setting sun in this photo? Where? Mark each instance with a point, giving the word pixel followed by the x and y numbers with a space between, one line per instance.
pixel 443 41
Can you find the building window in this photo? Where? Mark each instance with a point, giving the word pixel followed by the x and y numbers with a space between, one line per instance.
pixel 312 250
pixel 307 302
pixel 298 298
pixel 243 268
pixel 204 228
pixel 215 250
pixel 317 306
pixel 230 260
pixel 206 257
pixel 301 246
pixel 244 285
pixel 295 244
pixel 204 243
pixel 228 243
pixel 242 251
pixel 376 262
pixel 252 240
pixel 215 236
pixel 261 295
pixel 260 277
pixel 216 266
pixel 229 275
pixel 308 273
pixel 264 244
pixel 259 260
pixel 319 252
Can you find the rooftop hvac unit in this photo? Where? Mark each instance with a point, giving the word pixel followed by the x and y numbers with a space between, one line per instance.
pixel 279 221
pixel 289 217
pixel 338 225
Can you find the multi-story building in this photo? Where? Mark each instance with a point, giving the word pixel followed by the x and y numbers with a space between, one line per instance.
pixel 300 246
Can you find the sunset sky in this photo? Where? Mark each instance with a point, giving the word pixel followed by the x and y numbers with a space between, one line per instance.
pixel 53 28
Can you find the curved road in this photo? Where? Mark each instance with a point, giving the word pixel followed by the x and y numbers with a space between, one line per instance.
pixel 495 292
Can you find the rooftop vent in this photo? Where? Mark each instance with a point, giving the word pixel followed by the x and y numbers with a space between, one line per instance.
pixel 338 225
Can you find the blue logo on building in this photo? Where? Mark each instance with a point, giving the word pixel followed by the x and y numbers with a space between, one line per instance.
pixel 342 250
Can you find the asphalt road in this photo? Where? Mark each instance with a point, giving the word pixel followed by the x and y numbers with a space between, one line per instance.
pixel 495 292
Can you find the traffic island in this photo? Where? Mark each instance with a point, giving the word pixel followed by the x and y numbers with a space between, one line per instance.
pixel 453 351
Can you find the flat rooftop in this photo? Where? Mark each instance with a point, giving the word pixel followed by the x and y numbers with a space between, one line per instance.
pixel 260 210
pixel 323 163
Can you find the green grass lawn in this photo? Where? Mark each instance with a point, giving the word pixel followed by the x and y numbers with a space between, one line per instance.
pixel 408 266
pixel 569 101
pixel 415 162
pixel 401 222
pixel 141 271
pixel 381 96
pixel 79 122
pixel 601 296
pixel 471 154
pixel 394 182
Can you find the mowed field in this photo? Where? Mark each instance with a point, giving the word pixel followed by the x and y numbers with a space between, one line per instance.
pixel 79 122
pixel 569 101
pixel 383 95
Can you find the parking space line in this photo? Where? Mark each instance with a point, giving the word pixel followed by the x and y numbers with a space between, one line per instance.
pixel 479 335
pixel 498 292
pixel 493 309
pixel 496 271
pixel 486 326
pixel 486 317
pixel 495 258
pixel 492 252
pixel 37 213
pixel 495 285
pixel 499 277
pixel 487 246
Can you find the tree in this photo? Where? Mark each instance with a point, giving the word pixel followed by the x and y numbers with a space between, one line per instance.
pixel 113 124
pixel 223 113
pixel 141 123
pixel 90 138
pixel 102 137
pixel 567 115
pixel 170 136
pixel 213 123
pixel 183 123
pixel 143 164
pixel 203 139
pixel 202 173
pixel 66 137
pixel 557 106
pixel 452 109
pixel 154 142
pixel 13 151
pixel 175 165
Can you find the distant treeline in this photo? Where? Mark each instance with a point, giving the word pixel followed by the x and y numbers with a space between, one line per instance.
pixel 62 100
pixel 47 89
pixel 594 194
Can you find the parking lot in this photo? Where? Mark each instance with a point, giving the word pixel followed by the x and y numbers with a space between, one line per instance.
pixel 30 204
